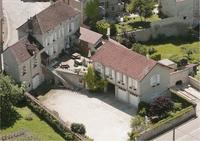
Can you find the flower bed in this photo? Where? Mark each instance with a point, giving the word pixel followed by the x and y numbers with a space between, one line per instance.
pixel 144 129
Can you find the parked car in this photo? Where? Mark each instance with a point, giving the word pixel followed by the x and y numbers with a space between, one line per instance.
pixel 76 56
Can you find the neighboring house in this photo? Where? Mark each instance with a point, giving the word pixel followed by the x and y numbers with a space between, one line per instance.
pixel 80 6
pixel 111 7
pixel 22 61
pixel 56 28
pixel 187 9
pixel 134 77
pixel 89 40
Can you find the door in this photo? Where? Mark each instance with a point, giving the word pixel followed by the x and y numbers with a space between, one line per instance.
pixel 36 81
pixel 134 100
pixel 122 95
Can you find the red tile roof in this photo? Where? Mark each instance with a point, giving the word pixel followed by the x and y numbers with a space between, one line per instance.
pixel 24 49
pixel 50 17
pixel 119 58
pixel 89 35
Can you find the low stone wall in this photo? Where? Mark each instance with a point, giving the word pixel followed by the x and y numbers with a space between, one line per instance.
pixel 153 132
pixel 194 82
pixel 60 125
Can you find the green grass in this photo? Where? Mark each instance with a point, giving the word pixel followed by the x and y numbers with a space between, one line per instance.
pixel 135 23
pixel 198 74
pixel 173 46
pixel 36 127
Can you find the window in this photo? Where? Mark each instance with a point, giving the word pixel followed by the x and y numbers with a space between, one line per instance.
pixel 23 70
pixel 35 62
pixel 158 78
pixel 107 71
pixel 98 66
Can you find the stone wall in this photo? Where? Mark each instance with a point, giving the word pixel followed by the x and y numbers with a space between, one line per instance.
pixel 147 135
pixel 194 82
pixel 180 75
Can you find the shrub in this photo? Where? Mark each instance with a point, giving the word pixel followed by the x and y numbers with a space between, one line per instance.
pixel 78 128
pixel 29 117
pixel 151 50
pixel 156 56
pixel 137 121
pixel 102 27
pixel 160 107
pixel 142 108
pixel 177 106
pixel 139 48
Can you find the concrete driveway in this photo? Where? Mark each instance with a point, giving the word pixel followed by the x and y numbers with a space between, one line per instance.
pixel 105 118
pixel 17 12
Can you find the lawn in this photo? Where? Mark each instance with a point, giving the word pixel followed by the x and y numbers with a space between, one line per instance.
pixel 36 128
pixel 135 23
pixel 175 47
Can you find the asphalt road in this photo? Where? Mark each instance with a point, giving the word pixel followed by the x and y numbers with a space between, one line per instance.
pixel 17 12
pixel 189 131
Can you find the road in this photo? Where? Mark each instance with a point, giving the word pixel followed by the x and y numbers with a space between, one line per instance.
pixel 189 131
pixel 17 12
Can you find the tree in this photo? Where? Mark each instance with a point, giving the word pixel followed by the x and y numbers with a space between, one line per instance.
pixel 144 8
pixel 160 107
pixel 92 10
pixel 93 81
pixel 102 27
pixel 10 94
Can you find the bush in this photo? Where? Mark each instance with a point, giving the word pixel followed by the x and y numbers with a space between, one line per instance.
pixel 156 56
pixel 78 128
pixel 160 107
pixel 151 50
pixel 177 106
pixel 142 108
pixel 102 27
pixel 29 117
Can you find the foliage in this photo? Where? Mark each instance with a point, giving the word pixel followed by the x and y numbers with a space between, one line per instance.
pixel 156 56
pixel 59 127
pixel 10 94
pixel 180 99
pixel 93 81
pixel 78 128
pixel 139 48
pixel 36 127
pixel 137 121
pixel 92 10
pixel 160 107
pixel 102 27
pixel 151 50
pixel 143 7
pixel 177 106
pixel 142 108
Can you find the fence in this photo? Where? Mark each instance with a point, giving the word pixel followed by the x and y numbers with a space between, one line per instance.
pixel 51 117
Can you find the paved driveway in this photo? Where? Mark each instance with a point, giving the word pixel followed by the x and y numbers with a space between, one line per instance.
pixel 17 12
pixel 105 118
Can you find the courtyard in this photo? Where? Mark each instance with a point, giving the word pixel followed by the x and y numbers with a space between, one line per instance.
pixel 105 118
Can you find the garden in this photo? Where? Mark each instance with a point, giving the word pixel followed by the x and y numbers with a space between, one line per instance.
pixel 159 112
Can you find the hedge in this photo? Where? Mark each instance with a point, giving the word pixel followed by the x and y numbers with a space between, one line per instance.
pixel 60 127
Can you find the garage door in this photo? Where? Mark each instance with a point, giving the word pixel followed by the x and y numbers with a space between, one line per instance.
pixel 134 100
pixel 122 95
pixel 36 81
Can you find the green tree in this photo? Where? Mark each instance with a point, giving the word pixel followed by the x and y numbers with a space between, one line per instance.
pixel 10 94
pixel 93 81
pixel 139 48
pixel 102 27
pixel 143 7
pixel 92 10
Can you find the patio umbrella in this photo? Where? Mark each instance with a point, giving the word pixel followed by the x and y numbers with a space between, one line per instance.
pixel 89 54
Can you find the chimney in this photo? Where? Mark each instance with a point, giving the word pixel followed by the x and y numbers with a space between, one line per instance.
pixel 30 25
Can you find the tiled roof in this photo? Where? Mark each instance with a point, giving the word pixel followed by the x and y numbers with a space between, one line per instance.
pixel 89 35
pixel 25 49
pixel 121 59
pixel 50 17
